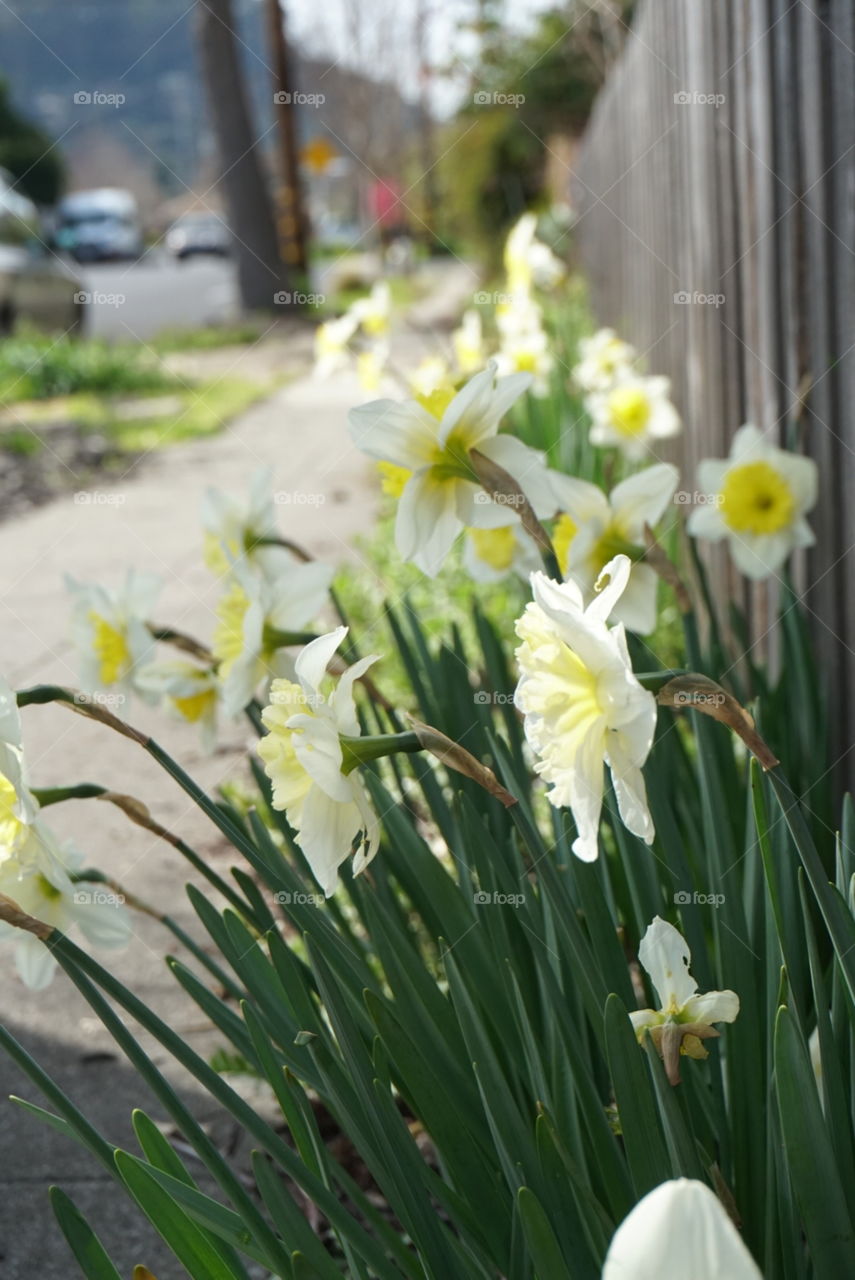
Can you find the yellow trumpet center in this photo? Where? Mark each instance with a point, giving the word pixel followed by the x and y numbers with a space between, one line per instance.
pixel 562 535
pixel 494 546
pixel 227 644
pixel 629 410
pixel 755 498
pixel 11 825
pixel 194 705
pixel 111 649
pixel 393 479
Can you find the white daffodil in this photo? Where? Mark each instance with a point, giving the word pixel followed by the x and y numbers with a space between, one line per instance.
pixel 527 351
pixel 442 493
pixel 758 499
pixel 191 692
pixel 516 315
pixel 685 1018
pixel 303 758
pixel 373 312
pixel 582 704
pixel 332 344
pixel 52 897
pixel 528 261
pixel 468 344
pixel 431 375
pixel 604 359
pixel 255 615
pixel 110 631
pixel 633 414
pixel 679 1228
pixel 236 525
pixel 595 528
pixel 489 555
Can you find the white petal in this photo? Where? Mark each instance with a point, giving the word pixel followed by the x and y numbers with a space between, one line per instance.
pixel 679 1229
pixel 712 1006
pixel 636 608
pixel 427 522
pixel 706 522
pixel 341 700
pixel 644 498
pixel 528 468
pixel 610 586
pixel 326 834
pixel 405 434
pixel 581 500
pixel 476 411
pixel 665 955
pixel 312 662
pixel 103 924
pixel 299 594
pixel 760 556
pixel 35 963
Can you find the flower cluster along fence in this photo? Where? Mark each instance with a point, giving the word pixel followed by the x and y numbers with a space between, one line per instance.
pixel 560 937
pixel 717 228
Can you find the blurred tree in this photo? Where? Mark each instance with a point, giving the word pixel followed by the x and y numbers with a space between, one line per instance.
pixel 28 154
pixel 494 171
pixel 262 275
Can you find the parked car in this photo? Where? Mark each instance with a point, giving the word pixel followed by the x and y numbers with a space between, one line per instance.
pixel 36 286
pixel 198 233
pixel 101 225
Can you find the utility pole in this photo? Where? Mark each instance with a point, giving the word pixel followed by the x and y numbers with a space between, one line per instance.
pixel 292 219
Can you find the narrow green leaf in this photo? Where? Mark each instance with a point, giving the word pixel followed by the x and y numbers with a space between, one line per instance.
pixel 82 1240
pixel 549 1263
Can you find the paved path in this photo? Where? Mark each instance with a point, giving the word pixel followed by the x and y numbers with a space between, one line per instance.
pixel 302 431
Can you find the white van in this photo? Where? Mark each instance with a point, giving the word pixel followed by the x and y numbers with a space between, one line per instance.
pixel 99 226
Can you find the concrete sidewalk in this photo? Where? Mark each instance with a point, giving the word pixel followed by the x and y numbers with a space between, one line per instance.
pixel 151 522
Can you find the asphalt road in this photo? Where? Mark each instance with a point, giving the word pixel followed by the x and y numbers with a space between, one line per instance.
pixel 136 300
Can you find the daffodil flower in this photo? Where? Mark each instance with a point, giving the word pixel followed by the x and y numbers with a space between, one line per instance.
pixel 633 414
pixel 685 1018
pixel 597 527
pixel 468 344
pixel 373 312
pixel 490 555
pixel 304 759
pixel 582 704
pixel 190 692
pixel 236 526
pixel 332 344
pixel 527 351
pixel 110 631
pixel 256 616
pixel 604 359
pixel 757 499
pixel 679 1228
pixel 52 896
pixel 528 261
pixel 431 375
pixel 442 493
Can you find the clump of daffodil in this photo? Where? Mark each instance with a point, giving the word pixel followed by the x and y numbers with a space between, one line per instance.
pixel 431 439
pixel 304 758
pixel 332 344
pixel 189 691
pixel 633 414
pixel 468 343
pixel 583 706
pixel 593 528
pixel 604 359
pixel 524 348
pixel 757 499
pixel 257 618
pixel 490 555
pixel 110 631
pixel 679 1228
pixel 685 1018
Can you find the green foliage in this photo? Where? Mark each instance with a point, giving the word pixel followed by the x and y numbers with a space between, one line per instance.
pixel 28 154
pixel 36 368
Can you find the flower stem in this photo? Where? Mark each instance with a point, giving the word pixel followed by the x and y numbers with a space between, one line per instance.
pixel 359 750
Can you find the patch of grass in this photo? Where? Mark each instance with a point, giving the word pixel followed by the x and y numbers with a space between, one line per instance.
pixel 38 368
pixel 24 444
pixel 209 338
pixel 205 410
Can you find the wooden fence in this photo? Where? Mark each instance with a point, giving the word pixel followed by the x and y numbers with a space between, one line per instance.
pixel 716 195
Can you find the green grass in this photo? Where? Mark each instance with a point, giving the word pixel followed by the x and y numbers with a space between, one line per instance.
pixel 208 339
pixel 37 368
